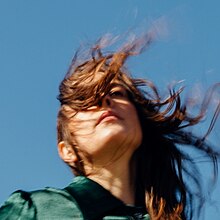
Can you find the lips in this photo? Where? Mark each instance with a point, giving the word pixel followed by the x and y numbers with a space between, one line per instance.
pixel 106 115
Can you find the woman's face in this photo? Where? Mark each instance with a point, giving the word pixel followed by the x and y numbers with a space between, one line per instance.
pixel 110 131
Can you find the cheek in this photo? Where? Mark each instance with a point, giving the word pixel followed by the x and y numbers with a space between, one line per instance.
pixel 136 125
pixel 83 123
pixel 82 116
pixel 80 131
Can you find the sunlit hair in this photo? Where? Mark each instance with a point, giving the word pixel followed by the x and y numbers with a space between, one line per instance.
pixel 167 179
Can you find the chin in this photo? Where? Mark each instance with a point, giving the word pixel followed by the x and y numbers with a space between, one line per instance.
pixel 119 135
pixel 114 130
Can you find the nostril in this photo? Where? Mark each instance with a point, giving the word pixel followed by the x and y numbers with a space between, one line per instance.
pixel 99 103
pixel 108 102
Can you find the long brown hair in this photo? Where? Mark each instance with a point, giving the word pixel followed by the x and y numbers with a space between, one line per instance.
pixel 167 179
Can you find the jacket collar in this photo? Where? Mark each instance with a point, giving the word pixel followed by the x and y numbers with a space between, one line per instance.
pixel 93 200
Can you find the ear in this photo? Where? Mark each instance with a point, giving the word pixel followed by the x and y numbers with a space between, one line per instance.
pixel 67 153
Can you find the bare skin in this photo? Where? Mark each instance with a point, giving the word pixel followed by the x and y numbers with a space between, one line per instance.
pixel 109 134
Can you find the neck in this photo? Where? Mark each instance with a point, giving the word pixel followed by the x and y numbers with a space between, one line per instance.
pixel 117 179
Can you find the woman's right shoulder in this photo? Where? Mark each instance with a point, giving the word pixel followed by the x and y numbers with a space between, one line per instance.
pixel 48 203
pixel 18 204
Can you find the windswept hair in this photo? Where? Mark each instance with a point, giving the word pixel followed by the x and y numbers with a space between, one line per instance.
pixel 168 181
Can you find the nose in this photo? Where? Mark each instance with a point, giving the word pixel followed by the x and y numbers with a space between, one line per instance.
pixel 107 101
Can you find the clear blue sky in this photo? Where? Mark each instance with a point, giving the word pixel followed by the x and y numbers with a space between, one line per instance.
pixel 37 42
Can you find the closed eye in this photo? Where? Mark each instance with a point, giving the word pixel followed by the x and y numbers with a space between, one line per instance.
pixel 118 92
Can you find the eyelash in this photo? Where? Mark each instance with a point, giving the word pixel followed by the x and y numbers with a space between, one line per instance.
pixel 117 93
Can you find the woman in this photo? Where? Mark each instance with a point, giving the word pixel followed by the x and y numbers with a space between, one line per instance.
pixel 123 143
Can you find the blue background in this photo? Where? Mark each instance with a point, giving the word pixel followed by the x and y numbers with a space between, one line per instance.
pixel 37 42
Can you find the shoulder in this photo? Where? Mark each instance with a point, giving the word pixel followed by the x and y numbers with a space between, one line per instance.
pixel 18 204
pixel 48 203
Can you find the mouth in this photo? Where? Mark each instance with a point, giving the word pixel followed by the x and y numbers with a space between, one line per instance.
pixel 107 116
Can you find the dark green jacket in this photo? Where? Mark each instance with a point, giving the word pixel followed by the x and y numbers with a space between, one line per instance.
pixel 82 199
